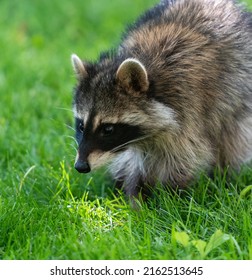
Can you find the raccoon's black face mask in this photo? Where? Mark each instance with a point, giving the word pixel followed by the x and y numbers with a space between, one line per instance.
pixel 99 144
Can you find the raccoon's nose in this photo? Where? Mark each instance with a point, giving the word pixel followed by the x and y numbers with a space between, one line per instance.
pixel 82 166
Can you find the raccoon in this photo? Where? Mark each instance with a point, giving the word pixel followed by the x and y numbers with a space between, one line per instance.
pixel 173 100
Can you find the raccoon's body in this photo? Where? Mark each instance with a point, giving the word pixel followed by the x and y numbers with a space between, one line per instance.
pixel 173 100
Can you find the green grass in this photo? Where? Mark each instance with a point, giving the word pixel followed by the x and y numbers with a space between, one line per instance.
pixel 47 210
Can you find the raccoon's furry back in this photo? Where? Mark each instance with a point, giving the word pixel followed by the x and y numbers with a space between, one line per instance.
pixel 198 59
pixel 198 56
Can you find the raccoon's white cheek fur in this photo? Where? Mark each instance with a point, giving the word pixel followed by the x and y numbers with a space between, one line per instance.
pixel 163 115
pixel 98 158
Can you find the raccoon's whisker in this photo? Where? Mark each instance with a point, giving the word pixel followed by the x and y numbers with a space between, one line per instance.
pixel 65 109
pixel 129 142
pixel 69 126
pixel 73 138
pixel 71 145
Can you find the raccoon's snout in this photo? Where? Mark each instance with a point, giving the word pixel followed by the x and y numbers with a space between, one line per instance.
pixel 82 166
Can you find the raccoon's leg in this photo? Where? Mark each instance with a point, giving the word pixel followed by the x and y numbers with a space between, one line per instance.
pixel 128 189
pixel 136 190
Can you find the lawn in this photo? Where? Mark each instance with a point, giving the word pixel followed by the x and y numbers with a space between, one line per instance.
pixel 47 209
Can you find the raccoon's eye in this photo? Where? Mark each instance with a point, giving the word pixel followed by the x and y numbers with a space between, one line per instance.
pixel 81 126
pixel 107 130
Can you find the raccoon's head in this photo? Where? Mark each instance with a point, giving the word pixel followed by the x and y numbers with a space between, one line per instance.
pixel 114 108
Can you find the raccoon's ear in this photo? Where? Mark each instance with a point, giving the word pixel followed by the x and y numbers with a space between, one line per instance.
pixel 132 75
pixel 78 67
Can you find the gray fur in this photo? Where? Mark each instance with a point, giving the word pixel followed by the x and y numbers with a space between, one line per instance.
pixel 195 109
